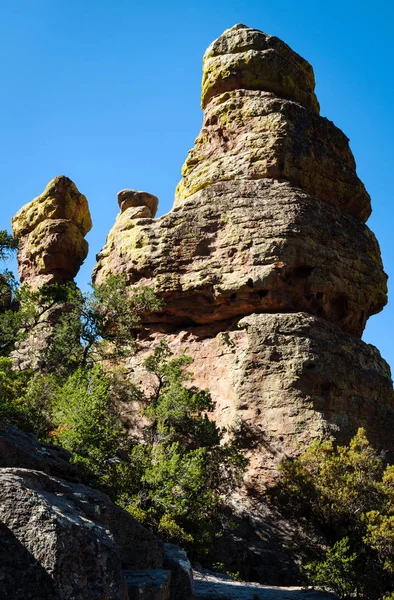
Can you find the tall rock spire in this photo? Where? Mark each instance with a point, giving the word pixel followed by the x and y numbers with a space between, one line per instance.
pixel 266 267
pixel 52 248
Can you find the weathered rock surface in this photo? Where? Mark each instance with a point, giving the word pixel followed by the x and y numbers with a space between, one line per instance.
pixel 282 380
pixel 267 271
pixel 254 134
pixel 151 584
pixel 61 539
pixel 177 561
pixel 239 247
pixel 245 58
pixel 51 230
pixel 22 450
pixel 77 554
pixel 133 199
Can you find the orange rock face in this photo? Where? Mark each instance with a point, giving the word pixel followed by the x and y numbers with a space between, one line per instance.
pixel 266 267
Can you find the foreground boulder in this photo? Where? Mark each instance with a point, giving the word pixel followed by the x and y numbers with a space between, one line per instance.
pixel 59 538
pixel 71 554
pixel 76 538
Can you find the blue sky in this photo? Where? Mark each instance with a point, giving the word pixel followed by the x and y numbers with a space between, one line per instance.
pixel 107 93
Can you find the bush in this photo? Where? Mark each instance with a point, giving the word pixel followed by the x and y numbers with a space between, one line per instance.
pixel 337 572
pixel 348 495
pixel 178 477
pixel 84 424
pixel 25 399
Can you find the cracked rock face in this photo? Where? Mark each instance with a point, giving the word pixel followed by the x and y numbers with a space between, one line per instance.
pixel 266 267
pixel 254 246
pixel 254 135
pixel 51 230
pixel 245 58
pixel 282 380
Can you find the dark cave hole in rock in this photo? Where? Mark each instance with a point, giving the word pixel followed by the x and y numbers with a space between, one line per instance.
pixel 339 307
pixel 310 366
pixel 302 272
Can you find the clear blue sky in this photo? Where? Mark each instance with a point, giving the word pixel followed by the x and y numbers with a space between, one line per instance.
pixel 107 93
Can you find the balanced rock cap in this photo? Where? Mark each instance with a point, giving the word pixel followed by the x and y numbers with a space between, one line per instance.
pixel 51 230
pixel 132 198
pixel 61 199
pixel 244 58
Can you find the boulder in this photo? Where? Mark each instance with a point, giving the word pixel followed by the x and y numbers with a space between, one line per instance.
pixel 177 561
pixel 153 584
pixel 66 553
pixel 245 58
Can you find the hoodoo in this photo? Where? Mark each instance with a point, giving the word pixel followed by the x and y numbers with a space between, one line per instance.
pixel 51 230
pixel 267 270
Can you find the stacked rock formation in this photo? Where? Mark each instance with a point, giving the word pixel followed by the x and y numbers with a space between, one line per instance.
pixel 266 268
pixel 51 230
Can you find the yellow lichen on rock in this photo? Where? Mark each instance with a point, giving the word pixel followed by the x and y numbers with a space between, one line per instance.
pixel 249 134
pixel 51 230
pixel 128 236
pixel 244 58
pixel 60 200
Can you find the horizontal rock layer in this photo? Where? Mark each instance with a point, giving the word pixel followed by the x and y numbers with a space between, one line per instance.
pixel 240 247
pixel 253 135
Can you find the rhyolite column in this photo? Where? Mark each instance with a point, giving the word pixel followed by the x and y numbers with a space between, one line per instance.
pixel 267 270
pixel 51 231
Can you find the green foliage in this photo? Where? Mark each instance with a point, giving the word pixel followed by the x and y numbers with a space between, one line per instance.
pixel 7 280
pixel 85 328
pixel 180 473
pixel 346 492
pixel 333 483
pixel 7 244
pixel 85 425
pixel 176 475
pixel 112 315
pixel 25 399
pixel 35 309
pixel 13 386
pixel 100 325
pixel 337 572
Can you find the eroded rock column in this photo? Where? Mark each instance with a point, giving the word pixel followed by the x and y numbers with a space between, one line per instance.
pixel 266 267
pixel 51 230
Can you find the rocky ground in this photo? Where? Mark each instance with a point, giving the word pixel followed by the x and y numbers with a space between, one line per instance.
pixel 217 586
